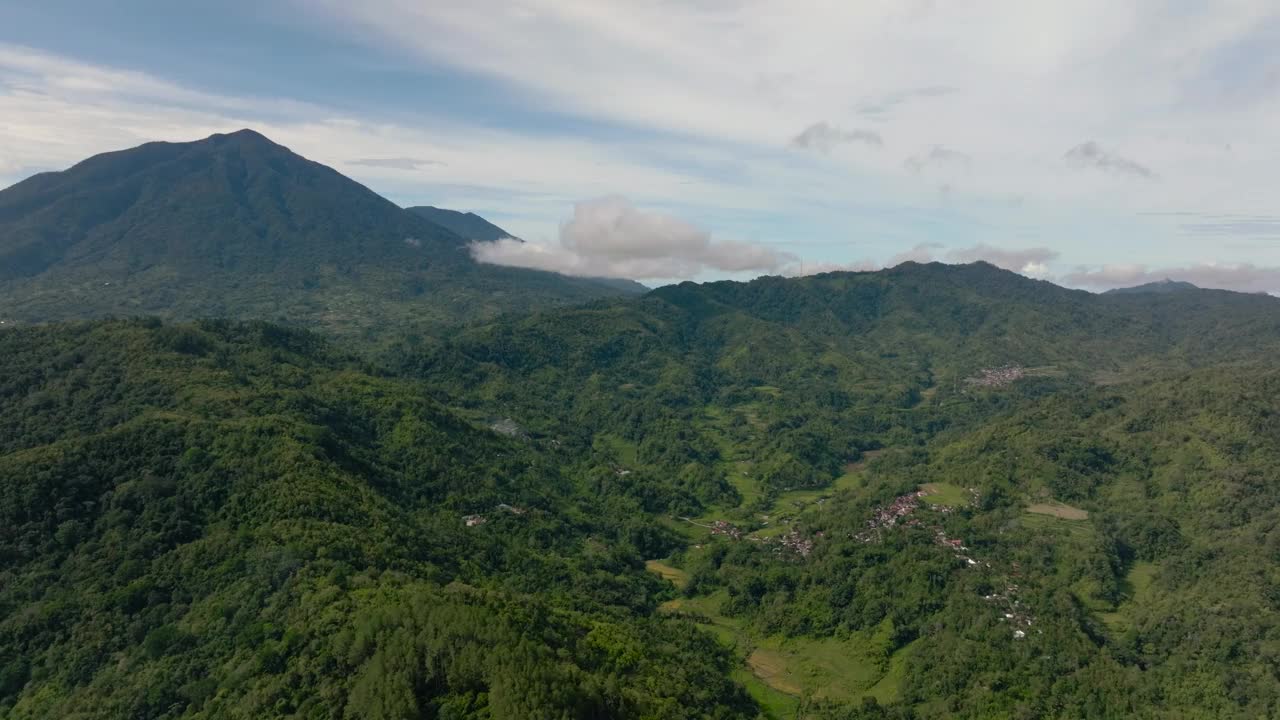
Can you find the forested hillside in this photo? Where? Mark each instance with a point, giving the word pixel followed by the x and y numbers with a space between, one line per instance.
pixel 951 489
pixel 927 492
pixel 227 520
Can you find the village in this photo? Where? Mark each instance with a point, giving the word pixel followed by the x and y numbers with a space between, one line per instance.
pixel 997 376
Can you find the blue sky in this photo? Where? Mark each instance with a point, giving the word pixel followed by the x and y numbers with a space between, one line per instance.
pixel 1087 143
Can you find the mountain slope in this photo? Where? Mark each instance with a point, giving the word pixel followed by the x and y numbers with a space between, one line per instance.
pixel 955 490
pixel 465 225
pixel 236 225
pixel 230 520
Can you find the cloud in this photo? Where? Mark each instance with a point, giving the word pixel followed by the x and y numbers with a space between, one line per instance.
pixel 1091 155
pixel 888 101
pixel 824 137
pixel 1242 277
pixel 940 158
pixel 608 237
pixel 1228 225
pixel 396 163
pixel 922 253
pixel 1033 262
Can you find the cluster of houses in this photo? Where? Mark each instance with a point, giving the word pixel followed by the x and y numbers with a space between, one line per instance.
pixel 888 515
pixel 728 529
pixel 1012 611
pixel 998 376
pixel 791 541
pixel 794 542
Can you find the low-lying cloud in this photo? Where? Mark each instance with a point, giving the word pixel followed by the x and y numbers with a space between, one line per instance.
pixel 1033 262
pixel 1243 277
pixel 396 163
pixel 824 137
pixel 1092 155
pixel 608 237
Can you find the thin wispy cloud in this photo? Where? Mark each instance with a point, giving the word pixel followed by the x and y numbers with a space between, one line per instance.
pixel 888 101
pixel 824 137
pixel 398 163
pixel 938 158
pixel 1091 155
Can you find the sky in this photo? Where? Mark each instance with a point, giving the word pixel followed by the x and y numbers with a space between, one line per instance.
pixel 1092 143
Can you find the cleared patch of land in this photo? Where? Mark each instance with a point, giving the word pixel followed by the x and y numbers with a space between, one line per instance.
pixel 1058 510
pixel 778 670
pixel 774 670
pixel 674 574
pixel 1138 591
pixel 939 493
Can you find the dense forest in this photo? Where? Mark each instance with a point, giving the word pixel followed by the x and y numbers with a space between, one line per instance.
pixel 926 492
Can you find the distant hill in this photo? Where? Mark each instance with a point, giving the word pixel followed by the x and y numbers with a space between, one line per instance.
pixel 463 224
pixel 236 225
pixel 1162 286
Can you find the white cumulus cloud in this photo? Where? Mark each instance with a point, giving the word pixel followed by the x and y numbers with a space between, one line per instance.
pixel 608 237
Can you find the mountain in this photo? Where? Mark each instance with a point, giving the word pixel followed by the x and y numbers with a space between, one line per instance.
pixel 236 225
pixel 465 225
pixel 1160 286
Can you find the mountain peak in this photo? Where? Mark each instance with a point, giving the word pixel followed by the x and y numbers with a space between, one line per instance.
pixel 235 224
pixel 244 135
pixel 1166 285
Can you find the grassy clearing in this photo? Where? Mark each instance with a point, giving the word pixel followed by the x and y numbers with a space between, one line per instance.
pixel 1074 529
pixel 1058 510
pixel 944 494
pixel 692 533
pixel 623 450
pixel 776 705
pixel 774 670
pixel 1138 591
pixel 778 670
pixel 889 687
pixel 675 575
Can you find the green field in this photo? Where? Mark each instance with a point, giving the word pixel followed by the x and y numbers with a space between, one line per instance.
pixel 940 493
pixel 675 575
pixel 1138 590
pixel 1058 510
pixel 778 670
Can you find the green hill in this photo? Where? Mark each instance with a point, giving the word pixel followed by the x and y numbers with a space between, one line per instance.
pixel 227 520
pixel 238 226
pixel 1078 442
pixel 927 492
